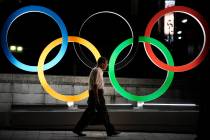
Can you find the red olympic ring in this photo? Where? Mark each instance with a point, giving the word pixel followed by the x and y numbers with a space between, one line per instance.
pixel 199 18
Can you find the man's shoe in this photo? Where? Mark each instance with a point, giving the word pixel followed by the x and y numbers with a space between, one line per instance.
pixel 79 133
pixel 113 133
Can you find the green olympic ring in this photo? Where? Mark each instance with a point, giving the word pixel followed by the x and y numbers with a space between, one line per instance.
pixel 128 95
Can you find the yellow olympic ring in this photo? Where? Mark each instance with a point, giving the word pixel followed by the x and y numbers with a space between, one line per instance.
pixel 40 68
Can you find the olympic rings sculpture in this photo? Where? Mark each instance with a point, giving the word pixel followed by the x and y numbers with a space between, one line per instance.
pixel 146 39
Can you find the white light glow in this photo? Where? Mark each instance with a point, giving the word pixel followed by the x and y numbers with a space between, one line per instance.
pixel 19 48
pixel 179 32
pixel 70 104
pixel 184 21
pixel 179 37
pixel 161 104
pixel 120 104
pixel 140 104
pixel 12 48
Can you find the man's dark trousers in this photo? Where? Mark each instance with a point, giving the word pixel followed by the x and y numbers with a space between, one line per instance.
pixel 90 113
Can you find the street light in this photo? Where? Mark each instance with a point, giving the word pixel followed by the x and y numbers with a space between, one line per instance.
pixel 14 48
pixel 19 49
pixel 179 32
pixel 184 20
pixel 179 37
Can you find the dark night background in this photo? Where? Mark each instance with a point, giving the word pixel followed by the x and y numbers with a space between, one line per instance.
pixel 34 31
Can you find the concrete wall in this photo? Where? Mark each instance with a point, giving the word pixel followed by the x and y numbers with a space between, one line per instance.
pixel 25 89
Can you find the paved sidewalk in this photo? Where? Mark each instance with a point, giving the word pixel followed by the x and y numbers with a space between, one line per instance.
pixel 91 135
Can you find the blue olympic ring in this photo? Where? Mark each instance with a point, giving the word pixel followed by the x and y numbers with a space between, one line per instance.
pixel 18 13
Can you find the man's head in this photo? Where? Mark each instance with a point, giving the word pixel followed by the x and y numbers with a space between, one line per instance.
pixel 102 63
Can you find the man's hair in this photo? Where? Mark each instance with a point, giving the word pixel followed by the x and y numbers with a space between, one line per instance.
pixel 101 60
